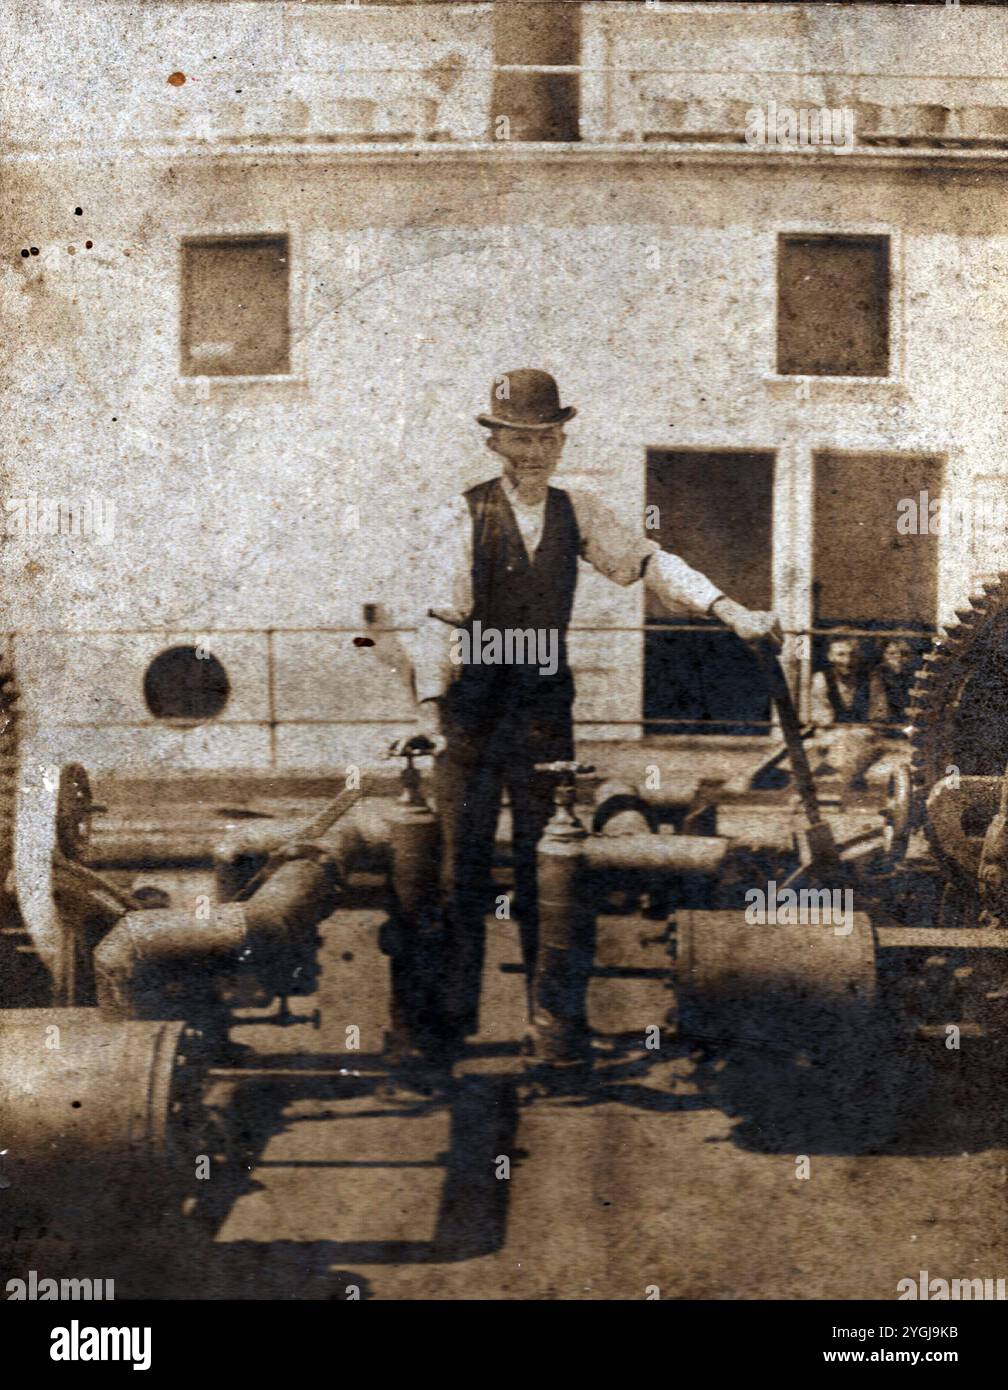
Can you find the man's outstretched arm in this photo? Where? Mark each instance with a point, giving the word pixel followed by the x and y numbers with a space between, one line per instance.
pixel 624 556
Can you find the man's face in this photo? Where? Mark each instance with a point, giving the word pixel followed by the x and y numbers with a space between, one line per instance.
pixel 530 456
pixel 841 657
pixel 897 656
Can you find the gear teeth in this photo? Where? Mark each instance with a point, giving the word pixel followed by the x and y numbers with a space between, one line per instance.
pixel 935 695
pixel 14 942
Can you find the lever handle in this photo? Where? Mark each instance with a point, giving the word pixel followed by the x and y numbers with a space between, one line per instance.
pixel 565 769
pixel 411 746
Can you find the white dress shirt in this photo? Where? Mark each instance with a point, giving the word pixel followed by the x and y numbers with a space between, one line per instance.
pixel 607 543
pixel 821 706
pixel 530 517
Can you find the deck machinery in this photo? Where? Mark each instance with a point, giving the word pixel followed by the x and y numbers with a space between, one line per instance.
pixel 115 1004
pixel 925 954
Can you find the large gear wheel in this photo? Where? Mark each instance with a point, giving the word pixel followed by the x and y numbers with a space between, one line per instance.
pixel 959 701
pixel 959 730
pixel 52 905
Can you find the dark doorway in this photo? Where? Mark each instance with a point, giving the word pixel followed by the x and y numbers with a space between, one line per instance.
pixel 867 573
pixel 873 583
pixel 715 510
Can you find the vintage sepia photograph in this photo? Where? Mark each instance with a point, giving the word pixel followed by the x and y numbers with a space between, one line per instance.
pixel 504 659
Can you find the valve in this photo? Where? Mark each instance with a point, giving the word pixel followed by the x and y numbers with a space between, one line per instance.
pixel 564 824
pixel 413 746
pixel 412 938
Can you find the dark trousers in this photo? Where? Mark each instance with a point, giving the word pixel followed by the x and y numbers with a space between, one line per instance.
pixel 485 754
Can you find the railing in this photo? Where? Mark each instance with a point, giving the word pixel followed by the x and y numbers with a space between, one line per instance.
pixel 590 104
pixel 148 642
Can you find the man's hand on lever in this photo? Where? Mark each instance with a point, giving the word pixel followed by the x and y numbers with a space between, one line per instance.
pixel 747 623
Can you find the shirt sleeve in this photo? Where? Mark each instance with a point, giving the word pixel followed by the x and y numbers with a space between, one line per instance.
pixel 819 701
pixel 448 592
pixel 624 556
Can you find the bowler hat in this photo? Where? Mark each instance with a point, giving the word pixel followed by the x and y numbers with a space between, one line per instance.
pixel 525 400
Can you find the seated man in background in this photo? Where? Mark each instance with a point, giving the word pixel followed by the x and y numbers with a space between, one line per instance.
pixel 843 742
pixel 890 682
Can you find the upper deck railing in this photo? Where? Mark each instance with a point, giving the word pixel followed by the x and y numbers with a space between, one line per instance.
pixel 208 76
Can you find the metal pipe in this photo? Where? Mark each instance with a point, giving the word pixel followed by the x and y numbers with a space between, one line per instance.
pixel 134 843
pixel 676 795
pixel 657 854
pixel 939 939
pixel 283 916
pixel 781 985
pixel 359 841
pixel 168 963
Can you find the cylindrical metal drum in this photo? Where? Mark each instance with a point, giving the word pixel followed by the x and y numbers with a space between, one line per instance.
pixel 780 984
pixel 566 951
pixel 92 1107
pixel 619 810
pixel 413 934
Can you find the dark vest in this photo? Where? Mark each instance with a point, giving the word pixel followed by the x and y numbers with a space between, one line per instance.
pixel 512 591
pixel 896 685
pixel 854 713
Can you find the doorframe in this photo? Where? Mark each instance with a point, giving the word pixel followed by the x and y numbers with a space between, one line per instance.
pixel 805 574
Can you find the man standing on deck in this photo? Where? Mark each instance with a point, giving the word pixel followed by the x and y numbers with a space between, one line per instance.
pixel 505 555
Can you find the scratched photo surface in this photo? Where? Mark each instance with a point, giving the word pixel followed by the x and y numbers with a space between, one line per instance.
pixel 504 683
